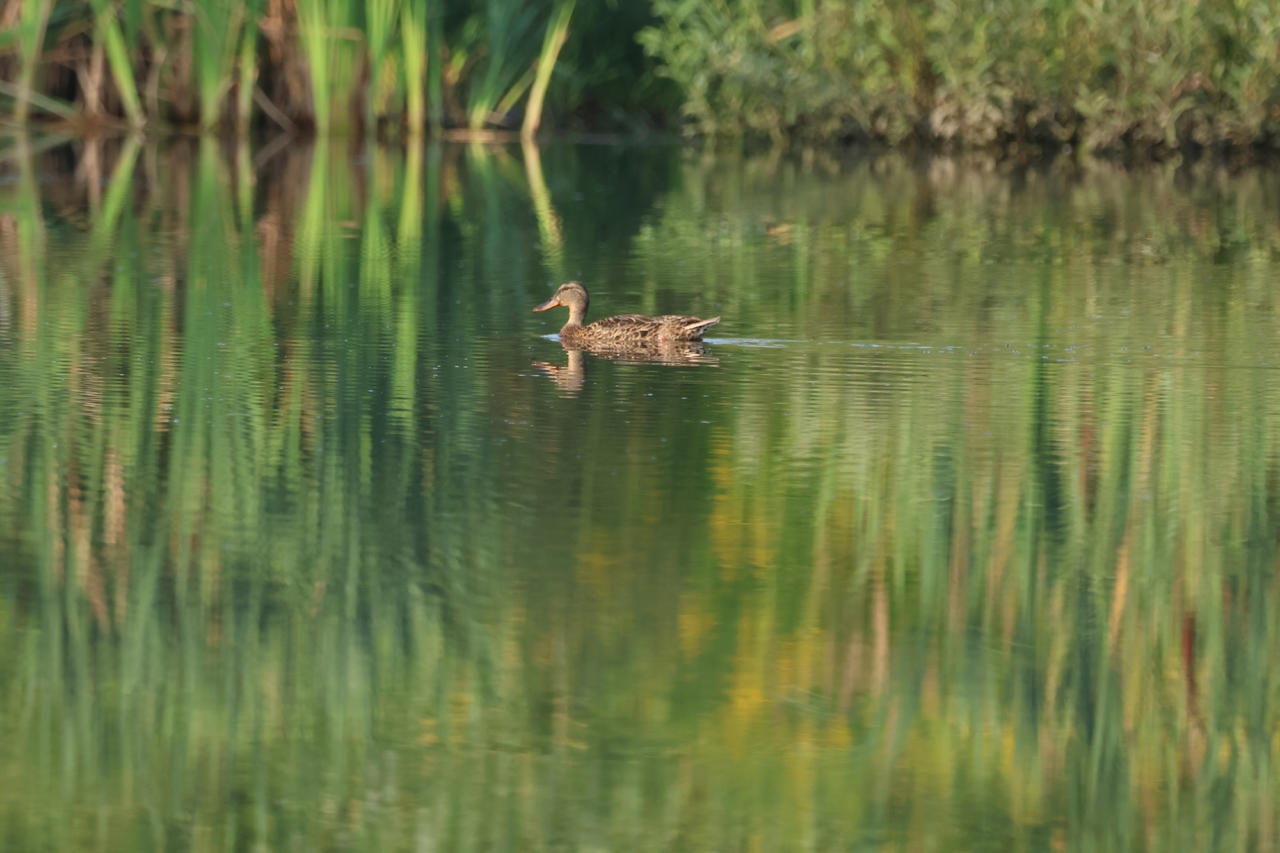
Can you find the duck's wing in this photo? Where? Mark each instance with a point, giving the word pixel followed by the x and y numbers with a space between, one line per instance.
pixel 637 328
pixel 696 325
pixel 631 326
pixel 620 320
pixel 682 327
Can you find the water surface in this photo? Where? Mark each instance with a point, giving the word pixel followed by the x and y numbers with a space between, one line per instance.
pixel 962 533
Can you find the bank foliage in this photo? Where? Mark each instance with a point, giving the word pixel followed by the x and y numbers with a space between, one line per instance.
pixel 1147 75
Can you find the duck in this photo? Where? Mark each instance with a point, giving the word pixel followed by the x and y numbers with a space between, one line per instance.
pixel 625 331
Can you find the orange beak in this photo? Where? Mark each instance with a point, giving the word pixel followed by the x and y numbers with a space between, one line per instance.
pixel 550 303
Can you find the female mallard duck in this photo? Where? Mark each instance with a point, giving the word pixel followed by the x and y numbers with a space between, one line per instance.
pixel 623 331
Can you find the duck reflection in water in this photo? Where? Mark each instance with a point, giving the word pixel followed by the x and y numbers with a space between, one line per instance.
pixel 569 377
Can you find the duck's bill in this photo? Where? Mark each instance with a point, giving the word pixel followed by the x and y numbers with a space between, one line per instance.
pixel 550 303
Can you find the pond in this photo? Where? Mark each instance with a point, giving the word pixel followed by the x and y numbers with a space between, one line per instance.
pixel 960 530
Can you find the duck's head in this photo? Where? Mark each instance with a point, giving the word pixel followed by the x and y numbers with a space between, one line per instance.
pixel 572 295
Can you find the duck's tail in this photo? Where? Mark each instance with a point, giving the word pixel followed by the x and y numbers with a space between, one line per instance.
pixel 695 329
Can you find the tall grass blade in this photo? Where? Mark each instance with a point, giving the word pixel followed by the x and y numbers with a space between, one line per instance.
pixel 313 31
pixel 413 37
pixel 435 63
pixel 506 25
pixel 216 52
pixel 380 21
pixel 552 42
pixel 25 98
pixel 32 21
pixel 248 74
pixel 107 25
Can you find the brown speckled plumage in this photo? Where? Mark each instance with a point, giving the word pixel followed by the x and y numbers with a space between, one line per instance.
pixel 624 331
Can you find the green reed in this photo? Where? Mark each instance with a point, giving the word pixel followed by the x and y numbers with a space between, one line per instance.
pixel 107 31
pixel 216 54
pixel 391 61
pixel 552 42
pixel 256 604
pixel 413 33
pixel 500 48
pixel 29 36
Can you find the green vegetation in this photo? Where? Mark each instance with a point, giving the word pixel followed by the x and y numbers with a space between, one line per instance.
pixel 301 553
pixel 328 64
pixel 1144 76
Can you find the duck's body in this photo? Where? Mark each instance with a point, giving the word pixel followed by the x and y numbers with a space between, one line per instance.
pixel 624 330
pixel 636 330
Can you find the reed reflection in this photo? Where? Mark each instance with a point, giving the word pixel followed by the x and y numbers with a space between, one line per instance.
pixel 296 551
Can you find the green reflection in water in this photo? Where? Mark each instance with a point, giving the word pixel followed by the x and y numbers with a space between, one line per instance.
pixel 962 538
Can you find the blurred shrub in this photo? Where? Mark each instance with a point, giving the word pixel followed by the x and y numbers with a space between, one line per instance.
pixel 1147 74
